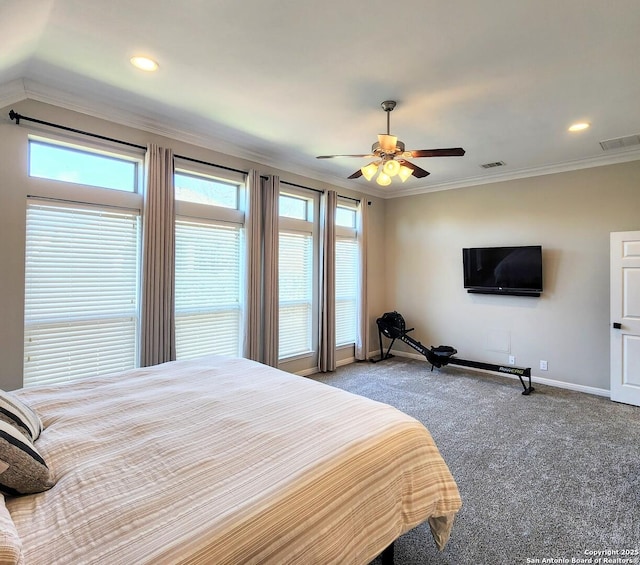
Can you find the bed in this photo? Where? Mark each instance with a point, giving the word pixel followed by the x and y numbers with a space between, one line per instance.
pixel 224 461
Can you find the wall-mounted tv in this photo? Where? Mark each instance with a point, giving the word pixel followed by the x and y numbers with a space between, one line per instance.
pixel 503 270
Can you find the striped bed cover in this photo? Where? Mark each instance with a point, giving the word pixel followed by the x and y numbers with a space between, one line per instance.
pixel 221 460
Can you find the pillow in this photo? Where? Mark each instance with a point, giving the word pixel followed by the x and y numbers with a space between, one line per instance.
pixel 22 468
pixel 19 415
pixel 10 542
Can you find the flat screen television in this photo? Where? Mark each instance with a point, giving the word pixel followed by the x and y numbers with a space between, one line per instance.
pixel 503 270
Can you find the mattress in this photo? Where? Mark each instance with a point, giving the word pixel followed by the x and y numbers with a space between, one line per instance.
pixel 226 461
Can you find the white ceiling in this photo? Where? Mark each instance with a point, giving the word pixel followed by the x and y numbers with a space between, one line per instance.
pixel 282 81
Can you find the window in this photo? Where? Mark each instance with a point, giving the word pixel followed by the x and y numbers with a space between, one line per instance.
pixel 81 291
pixel 63 162
pixel 209 265
pixel 208 287
pixel 346 216
pixel 346 290
pixel 200 189
pixel 294 207
pixel 296 293
pixel 298 274
pixel 347 274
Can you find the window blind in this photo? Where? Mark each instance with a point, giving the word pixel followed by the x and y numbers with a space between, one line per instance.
pixel 208 289
pixel 81 292
pixel 296 293
pixel 346 290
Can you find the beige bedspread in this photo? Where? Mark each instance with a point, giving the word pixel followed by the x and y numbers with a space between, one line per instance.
pixel 220 460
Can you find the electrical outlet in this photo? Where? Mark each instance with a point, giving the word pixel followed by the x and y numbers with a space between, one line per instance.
pixel 512 359
pixel 543 365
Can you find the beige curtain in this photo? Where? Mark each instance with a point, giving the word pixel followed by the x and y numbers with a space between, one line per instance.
pixel 270 311
pixel 362 337
pixel 253 296
pixel 158 260
pixel 327 345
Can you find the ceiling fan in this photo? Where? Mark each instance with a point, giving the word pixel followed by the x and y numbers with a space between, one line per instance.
pixel 391 157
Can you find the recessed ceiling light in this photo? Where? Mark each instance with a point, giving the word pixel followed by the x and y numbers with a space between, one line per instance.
pixel 579 126
pixel 144 63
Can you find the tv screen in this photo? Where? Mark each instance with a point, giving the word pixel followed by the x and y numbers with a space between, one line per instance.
pixel 503 270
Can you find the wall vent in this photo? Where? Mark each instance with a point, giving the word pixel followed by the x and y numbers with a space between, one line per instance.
pixel 620 142
pixel 494 164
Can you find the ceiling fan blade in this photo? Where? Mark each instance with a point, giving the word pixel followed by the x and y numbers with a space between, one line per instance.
pixel 334 156
pixel 417 171
pixel 356 175
pixel 451 152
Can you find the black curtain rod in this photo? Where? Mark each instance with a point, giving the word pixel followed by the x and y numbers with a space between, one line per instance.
pixel 192 160
pixel 301 186
pixel 14 116
pixel 349 198
pixel 316 190
pixel 17 117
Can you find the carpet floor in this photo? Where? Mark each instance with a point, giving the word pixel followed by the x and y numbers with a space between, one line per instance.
pixel 553 477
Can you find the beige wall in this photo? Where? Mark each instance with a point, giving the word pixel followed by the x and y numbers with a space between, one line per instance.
pixel 569 214
pixel 15 185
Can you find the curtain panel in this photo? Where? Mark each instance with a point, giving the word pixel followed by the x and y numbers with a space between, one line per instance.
pixel 252 347
pixel 327 344
pixel 158 259
pixel 362 337
pixel 271 241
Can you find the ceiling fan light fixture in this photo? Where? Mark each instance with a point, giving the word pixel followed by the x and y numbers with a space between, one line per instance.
pixel 369 170
pixel 391 167
pixel 383 179
pixel 404 173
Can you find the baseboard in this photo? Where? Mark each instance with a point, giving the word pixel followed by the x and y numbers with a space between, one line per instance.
pixel 315 370
pixel 534 378
pixel 346 361
pixel 572 386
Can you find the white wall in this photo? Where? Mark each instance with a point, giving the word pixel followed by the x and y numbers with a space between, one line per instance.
pixel 569 214
pixel 15 185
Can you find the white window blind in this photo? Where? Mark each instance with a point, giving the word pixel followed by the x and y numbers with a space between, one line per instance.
pixel 208 289
pixel 347 265
pixel 296 293
pixel 81 292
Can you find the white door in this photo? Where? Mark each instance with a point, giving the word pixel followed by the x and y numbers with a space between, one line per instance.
pixel 625 317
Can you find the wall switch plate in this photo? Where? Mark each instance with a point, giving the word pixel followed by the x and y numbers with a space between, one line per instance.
pixel 512 359
pixel 543 365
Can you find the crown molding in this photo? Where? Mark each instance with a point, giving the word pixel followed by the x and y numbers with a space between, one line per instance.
pixel 160 125
pixel 21 89
pixel 12 92
pixel 106 109
pixel 622 156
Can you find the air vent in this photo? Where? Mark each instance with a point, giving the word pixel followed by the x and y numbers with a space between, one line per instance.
pixel 491 165
pixel 620 142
